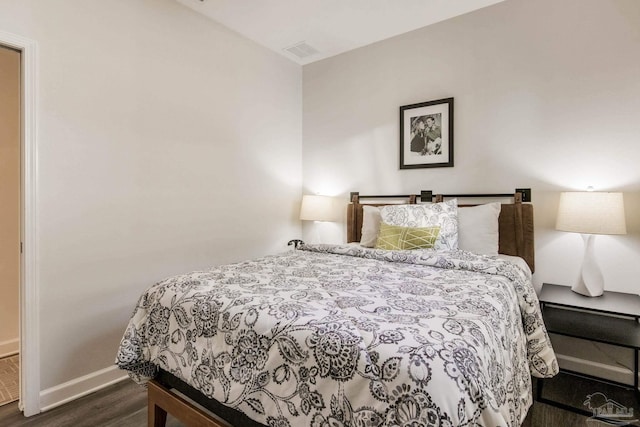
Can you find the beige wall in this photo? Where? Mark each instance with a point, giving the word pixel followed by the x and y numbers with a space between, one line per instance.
pixel 547 96
pixel 167 144
pixel 9 199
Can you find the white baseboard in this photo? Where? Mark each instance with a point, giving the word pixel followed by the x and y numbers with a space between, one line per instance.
pixel 76 388
pixel 597 369
pixel 9 348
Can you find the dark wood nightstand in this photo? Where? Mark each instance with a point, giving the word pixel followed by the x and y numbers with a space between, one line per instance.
pixel 611 318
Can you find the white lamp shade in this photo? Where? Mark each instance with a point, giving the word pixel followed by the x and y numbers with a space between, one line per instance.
pixel 591 212
pixel 317 208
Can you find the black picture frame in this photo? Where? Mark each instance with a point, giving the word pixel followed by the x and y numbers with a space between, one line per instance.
pixel 426 134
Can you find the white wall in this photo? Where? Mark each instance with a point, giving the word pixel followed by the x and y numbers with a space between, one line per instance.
pixel 546 94
pixel 167 143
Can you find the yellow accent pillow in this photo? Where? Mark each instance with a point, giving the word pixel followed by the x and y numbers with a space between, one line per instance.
pixel 395 237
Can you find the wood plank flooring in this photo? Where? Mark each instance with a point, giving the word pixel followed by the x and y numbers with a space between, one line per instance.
pixel 125 405
pixel 121 405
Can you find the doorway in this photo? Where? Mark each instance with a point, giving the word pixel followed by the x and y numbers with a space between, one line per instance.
pixel 29 313
pixel 10 219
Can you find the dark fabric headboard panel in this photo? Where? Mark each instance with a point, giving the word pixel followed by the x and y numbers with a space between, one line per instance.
pixel 515 222
pixel 516 232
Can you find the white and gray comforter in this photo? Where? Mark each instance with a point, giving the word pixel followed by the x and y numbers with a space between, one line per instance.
pixel 347 336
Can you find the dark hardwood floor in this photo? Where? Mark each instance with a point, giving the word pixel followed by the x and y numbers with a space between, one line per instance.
pixel 121 405
pixel 125 405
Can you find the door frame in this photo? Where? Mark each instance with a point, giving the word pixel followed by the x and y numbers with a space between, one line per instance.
pixel 29 302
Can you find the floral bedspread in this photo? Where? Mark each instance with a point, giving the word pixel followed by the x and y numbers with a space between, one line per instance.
pixel 348 336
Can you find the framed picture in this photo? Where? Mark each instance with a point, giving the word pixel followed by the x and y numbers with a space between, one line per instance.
pixel 426 134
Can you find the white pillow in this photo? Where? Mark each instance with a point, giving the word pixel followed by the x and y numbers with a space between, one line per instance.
pixel 444 215
pixel 478 229
pixel 370 226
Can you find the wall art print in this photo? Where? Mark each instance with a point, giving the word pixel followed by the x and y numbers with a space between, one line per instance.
pixel 426 134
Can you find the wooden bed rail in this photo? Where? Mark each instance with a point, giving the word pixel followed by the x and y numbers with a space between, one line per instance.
pixel 161 401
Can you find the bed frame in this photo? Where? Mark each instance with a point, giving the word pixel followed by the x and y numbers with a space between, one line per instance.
pixel 515 220
pixel 168 394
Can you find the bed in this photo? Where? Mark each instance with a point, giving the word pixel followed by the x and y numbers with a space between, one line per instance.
pixel 346 335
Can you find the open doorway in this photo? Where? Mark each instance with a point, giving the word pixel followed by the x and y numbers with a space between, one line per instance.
pixel 10 219
pixel 29 313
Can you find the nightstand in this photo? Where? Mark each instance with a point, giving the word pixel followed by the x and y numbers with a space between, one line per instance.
pixel 611 318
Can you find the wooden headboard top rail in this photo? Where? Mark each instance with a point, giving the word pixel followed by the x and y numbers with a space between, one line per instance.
pixel 519 195
pixel 515 220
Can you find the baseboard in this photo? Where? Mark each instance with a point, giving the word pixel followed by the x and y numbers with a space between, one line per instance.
pixel 597 369
pixel 9 348
pixel 76 388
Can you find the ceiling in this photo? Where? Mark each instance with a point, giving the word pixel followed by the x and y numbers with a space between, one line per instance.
pixel 329 27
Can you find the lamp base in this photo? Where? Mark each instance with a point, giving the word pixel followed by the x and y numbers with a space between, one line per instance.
pixel 582 289
pixel 590 283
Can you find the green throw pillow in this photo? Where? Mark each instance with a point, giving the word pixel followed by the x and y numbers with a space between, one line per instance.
pixel 395 237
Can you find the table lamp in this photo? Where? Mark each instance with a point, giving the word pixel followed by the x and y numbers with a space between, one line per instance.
pixel 591 213
pixel 317 208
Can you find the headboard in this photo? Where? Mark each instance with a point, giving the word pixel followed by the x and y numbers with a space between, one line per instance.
pixel 515 220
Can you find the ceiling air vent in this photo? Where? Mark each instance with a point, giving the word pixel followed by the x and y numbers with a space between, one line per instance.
pixel 301 50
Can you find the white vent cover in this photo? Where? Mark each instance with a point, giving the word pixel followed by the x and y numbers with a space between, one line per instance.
pixel 301 50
